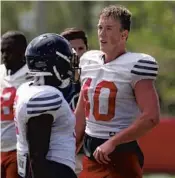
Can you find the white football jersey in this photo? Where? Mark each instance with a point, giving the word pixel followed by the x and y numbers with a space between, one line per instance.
pixel 110 102
pixel 34 100
pixel 8 86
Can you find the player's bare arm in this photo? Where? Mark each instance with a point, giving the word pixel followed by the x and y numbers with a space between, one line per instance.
pixel 147 99
pixel 80 122
pixel 38 136
pixel 148 103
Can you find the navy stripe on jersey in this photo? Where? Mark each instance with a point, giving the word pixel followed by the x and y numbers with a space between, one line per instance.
pixel 145 68
pixel 143 73
pixel 147 61
pixel 44 103
pixel 41 111
pixel 44 98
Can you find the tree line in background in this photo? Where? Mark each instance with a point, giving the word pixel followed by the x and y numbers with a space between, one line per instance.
pixel 153 30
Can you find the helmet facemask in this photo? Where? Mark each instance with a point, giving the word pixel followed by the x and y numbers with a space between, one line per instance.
pixel 62 69
pixel 76 70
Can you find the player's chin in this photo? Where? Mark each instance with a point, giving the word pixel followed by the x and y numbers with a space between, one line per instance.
pixel 4 60
pixel 104 48
pixel 9 64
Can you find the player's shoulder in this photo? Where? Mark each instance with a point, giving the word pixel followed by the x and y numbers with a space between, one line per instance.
pixel 24 73
pixel 43 99
pixel 94 53
pixel 138 61
pixel 2 67
pixel 3 71
pixel 24 87
pixel 142 58
pixel 143 64
pixel 91 57
pixel 40 92
pixel 133 58
pixel 18 78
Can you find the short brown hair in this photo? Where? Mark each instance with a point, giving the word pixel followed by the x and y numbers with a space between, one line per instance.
pixel 120 13
pixel 74 33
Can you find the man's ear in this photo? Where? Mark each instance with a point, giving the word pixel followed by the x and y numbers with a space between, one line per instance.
pixel 125 35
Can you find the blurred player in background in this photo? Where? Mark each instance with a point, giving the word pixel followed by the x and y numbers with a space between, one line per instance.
pixel 78 40
pixel 118 100
pixel 44 119
pixel 13 72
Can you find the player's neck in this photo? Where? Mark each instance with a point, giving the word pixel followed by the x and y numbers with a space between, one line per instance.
pixel 113 55
pixel 53 81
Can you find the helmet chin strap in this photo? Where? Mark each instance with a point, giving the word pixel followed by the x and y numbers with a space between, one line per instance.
pixel 38 80
pixel 65 82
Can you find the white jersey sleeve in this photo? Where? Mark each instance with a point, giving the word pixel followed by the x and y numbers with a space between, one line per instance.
pixel 145 68
pixel 43 103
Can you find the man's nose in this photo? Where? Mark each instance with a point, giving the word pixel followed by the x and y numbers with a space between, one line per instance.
pixel 102 33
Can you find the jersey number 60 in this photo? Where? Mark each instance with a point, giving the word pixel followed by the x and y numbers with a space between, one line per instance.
pixel 96 99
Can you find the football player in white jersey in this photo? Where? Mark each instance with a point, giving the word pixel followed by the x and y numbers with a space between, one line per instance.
pixel 118 102
pixel 45 122
pixel 78 40
pixel 13 72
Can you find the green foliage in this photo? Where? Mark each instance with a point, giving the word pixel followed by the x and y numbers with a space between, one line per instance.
pixel 153 31
pixel 10 11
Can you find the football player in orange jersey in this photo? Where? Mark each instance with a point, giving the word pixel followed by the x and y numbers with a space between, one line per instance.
pixel 13 72
pixel 118 102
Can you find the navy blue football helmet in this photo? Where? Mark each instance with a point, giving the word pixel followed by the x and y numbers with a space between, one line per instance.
pixel 51 54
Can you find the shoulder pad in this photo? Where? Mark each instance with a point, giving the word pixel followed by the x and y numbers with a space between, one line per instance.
pixel 91 57
pixel 145 67
pixel 3 70
pixel 130 57
pixel 43 102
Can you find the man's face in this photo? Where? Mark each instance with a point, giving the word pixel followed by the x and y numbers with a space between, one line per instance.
pixel 109 34
pixel 6 51
pixel 79 46
pixel 10 53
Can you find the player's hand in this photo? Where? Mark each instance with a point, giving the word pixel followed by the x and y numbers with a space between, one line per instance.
pixel 78 147
pixel 101 154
